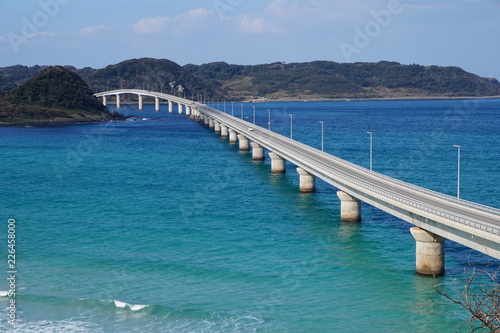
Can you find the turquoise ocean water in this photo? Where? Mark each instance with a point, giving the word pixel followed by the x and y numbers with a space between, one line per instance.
pixel 159 225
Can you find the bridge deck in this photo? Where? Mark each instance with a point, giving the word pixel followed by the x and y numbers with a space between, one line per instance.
pixel 471 224
pixel 465 222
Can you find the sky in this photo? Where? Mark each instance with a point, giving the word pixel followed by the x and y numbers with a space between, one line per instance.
pixel 81 33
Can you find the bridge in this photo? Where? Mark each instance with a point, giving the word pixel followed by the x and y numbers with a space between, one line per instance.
pixel 181 102
pixel 436 216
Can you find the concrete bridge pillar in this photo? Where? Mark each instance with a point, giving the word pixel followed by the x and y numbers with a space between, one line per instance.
pixel 278 164
pixel 180 108
pixel 118 102
pixel 104 101
pixel 257 152
pixel 157 104
pixel 350 207
pixel 206 120
pixel 244 143
pixel 211 122
pixel 188 111
pixel 141 106
pixel 217 127
pixel 232 136
pixel 429 252
pixel 307 181
pixel 170 106
pixel 224 131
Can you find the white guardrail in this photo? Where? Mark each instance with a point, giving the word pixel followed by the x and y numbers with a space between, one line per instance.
pixel 317 163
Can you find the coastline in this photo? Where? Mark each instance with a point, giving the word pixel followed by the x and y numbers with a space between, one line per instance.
pixel 114 116
pixel 61 121
pixel 409 98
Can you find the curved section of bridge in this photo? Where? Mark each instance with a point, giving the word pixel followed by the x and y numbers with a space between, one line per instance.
pixel 436 216
pixel 181 102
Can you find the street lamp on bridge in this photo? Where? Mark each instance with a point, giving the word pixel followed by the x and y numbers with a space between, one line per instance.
pixel 268 119
pixel 371 150
pixel 322 136
pixel 291 126
pixel 458 171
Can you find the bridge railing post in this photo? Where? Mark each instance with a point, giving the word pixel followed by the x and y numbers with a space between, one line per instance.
pixel 307 181
pixel 257 152
pixel 232 136
pixel 224 131
pixel 278 164
pixel 429 252
pixel 244 143
pixel 217 127
pixel 350 207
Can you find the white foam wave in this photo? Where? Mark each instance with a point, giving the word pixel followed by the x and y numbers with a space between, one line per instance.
pixel 119 304
pixel 4 293
pixel 46 326
pixel 133 307
pixel 138 307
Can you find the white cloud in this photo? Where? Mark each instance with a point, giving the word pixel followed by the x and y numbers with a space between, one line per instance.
pixel 93 30
pixel 196 14
pixel 284 16
pixel 256 25
pixel 40 34
pixel 151 25
pixel 192 21
pixel 318 10
pixel 284 9
pixel 252 26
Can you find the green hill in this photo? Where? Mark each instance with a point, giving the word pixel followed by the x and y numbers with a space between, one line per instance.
pixel 331 80
pixel 150 74
pixel 55 95
pixel 13 76
pixel 278 81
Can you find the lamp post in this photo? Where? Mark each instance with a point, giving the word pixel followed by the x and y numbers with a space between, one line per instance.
pixel 268 119
pixel 253 114
pixel 371 150
pixel 322 136
pixel 291 126
pixel 232 108
pixel 241 110
pixel 224 106
pixel 458 171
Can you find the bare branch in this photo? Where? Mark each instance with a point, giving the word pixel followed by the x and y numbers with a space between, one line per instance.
pixel 478 293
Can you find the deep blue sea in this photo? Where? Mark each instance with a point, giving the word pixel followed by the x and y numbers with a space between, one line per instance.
pixel 159 225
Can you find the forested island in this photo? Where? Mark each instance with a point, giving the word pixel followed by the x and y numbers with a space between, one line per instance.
pixel 64 94
pixel 55 95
